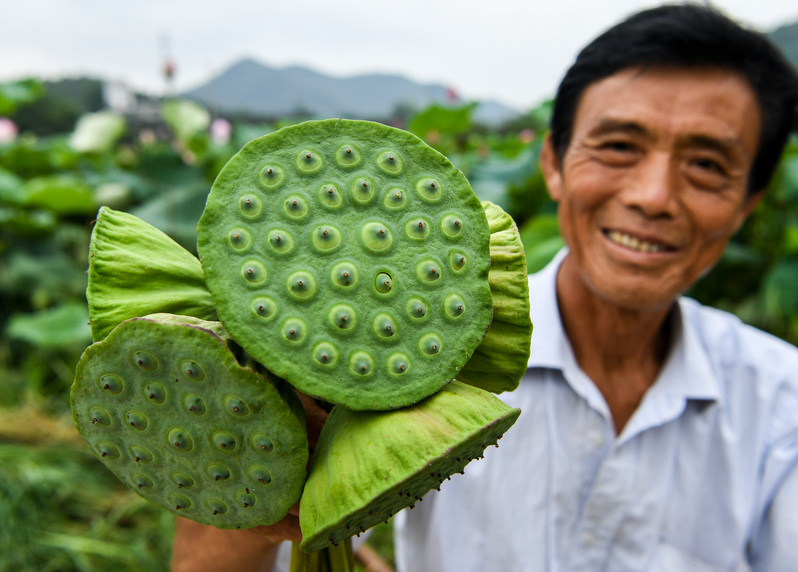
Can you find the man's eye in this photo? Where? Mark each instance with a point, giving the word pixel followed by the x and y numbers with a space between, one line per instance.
pixel 618 146
pixel 709 165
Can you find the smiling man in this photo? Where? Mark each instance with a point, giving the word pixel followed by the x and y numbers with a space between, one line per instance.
pixel 656 434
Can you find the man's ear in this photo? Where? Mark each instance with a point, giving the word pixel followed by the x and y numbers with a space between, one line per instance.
pixel 550 166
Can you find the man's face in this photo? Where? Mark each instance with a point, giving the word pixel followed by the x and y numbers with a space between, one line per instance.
pixel 653 184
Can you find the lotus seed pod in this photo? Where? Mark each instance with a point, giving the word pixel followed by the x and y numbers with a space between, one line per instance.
pixel 135 270
pixel 369 465
pixel 501 359
pixel 389 230
pixel 194 431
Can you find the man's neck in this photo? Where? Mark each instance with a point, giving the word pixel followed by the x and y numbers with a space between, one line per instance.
pixel 621 350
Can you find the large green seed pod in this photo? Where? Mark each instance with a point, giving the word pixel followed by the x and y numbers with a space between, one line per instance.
pixel 167 408
pixel 135 270
pixel 501 359
pixel 369 465
pixel 351 259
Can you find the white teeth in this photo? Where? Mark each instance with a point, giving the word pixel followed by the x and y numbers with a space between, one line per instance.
pixel 634 243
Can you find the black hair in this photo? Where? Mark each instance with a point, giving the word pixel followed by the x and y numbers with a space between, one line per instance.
pixel 692 36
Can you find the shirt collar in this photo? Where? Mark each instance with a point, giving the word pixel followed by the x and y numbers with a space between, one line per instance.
pixel 687 373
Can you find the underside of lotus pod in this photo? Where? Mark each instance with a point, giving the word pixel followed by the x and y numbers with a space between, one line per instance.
pixel 135 270
pixel 166 407
pixel 351 259
pixel 367 466
pixel 501 359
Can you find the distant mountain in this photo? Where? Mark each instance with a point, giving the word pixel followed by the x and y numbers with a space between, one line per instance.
pixel 252 87
pixel 786 38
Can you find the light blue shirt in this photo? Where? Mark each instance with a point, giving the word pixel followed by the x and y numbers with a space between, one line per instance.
pixel 702 478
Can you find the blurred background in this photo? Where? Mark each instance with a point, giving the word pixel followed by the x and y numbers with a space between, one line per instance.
pixel 138 106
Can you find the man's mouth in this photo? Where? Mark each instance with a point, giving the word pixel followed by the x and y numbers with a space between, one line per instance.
pixel 634 243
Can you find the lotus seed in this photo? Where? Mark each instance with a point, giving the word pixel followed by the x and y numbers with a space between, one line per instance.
pixel 309 162
pixel 398 364
pixel 428 271
pixel 181 502
pixel 452 226
pixel 344 274
pixel 192 370
pixel 454 305
pixel 137 420
pixel 246 499
pixel 429 189
pixel 326 238
pixel 343 317
pixel 155 392
pixel 180 439
pixel 302 285
pixel 458 261
pixel 100 416
pixel 390 163
pixel 145 361
pixel 430 344
pixel 362 190
pixel 140 454
pixel 250 205
pixel 216 506
pixel 376 236
pixel 347 156
pixel 395 198
pixel 325 353
pixel 254 272
pixel 111 383
pixel 271 176
pixel 417 228
pixel 236 406
pixel 261 443
pixel 330 196
pixel 416 308
pixel 107 450
pixel 194 404
pixel 261 475
pixel 264 307
pixel 383 283
pixel 296 207
pixel 142 481
pixel 294 330
pixel 218 472
pixel 182 480
pixel 280 241
pixel 384 325
pixel 361 363
pixel 224 440
pixel 240 239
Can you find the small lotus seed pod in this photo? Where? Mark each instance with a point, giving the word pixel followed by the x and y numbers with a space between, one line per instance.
pixel 135 270
pixel 369 187
pixel 351 487
pixel 204 428
pixel 500 360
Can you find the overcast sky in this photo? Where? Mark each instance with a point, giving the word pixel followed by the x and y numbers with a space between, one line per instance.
pixel 514 51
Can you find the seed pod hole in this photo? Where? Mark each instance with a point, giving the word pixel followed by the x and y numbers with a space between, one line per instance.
pixel 141 481
pixel 430 344
pixel 428 271
pixel 457 261
pixel 376 236
pixel 452 225
pixel 384 326
pixel 362 190
pixel 294 330
pixel 253 272
pixel 395 198
pixel 239 238
pixel 246 499
pixel 454 306
pixel 398 364
pixel 260 474
pixel 429 188
pixel 417 228
pixel 390 162
pixel 216 506
pixel 180 502
pixel 107 450
pixel 140 454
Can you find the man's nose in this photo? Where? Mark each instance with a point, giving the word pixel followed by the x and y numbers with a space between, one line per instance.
pixel 652 190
